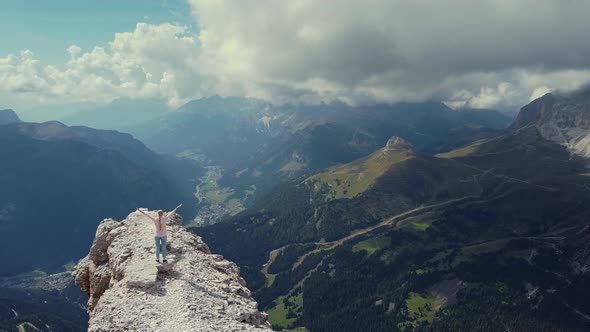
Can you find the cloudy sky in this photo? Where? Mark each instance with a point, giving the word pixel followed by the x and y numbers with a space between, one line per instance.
pixel 483 54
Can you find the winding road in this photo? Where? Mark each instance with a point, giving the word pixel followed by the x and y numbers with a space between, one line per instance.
pixel 394 220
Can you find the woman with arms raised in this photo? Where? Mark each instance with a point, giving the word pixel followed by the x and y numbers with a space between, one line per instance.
pixel 161 234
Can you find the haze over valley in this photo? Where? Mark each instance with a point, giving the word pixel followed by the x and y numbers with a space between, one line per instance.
pixel 342 165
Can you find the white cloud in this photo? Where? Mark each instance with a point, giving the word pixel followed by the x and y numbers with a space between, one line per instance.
pixel 490 53
pixel 151 61
pixel 389 50
pixel 539 92
pixel 74 50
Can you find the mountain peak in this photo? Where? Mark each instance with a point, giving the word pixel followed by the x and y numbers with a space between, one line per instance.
pixel 396 143
pixel 46 130
pixel 563 119
pixel 533 112
pixel 8 116
pixel 128 290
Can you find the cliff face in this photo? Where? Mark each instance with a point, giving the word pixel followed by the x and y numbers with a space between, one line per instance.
pixel 561 119
pixel 194 291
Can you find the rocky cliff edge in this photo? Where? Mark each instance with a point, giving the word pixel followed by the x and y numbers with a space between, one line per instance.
pixel 194 291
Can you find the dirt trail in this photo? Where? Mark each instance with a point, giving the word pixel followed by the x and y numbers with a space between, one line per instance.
pixel 322 246
pixel 271 258
pixel 506 177
pixel 394 220
pixel 387 222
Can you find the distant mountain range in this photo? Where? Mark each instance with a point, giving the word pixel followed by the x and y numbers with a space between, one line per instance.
pixel 57 181
pixel 412 215
pixel 329 135
pixel 259 144
pixel 563 119
pixel 231 130
pixel 490 236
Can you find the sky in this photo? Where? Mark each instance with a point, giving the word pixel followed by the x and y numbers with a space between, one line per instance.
pixel 48 28
pixel 482 54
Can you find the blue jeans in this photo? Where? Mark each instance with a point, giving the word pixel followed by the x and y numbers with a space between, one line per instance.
pixel 161 241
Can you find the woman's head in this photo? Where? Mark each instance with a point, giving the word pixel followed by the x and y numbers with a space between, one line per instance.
pixel 160 213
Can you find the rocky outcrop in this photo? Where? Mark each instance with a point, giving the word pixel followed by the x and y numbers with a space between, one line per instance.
pixel 564 119
pixel 396 144
pixel 194 291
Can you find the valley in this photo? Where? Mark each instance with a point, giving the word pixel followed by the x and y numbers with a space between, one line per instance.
pixel 397 233
pixel 248 143
pixel 336 166
pixel 58 183
pixel 421 242
pixel 216 202
pixel 37 301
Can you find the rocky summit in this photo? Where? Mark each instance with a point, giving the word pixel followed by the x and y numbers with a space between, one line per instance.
pixel 194 291
pixel 396 143
pixel 563 119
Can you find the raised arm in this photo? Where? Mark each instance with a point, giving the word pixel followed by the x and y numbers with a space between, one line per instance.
pixel 171 213
pixel 147 215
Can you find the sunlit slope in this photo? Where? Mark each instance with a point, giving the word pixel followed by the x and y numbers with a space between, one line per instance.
pixel 352 179
pixel 332 204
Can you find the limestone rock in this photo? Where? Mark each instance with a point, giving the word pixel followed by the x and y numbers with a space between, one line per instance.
pixel 255 318
pixel 396 143
pixel 194 291
pixel 563 119
pixel 82 278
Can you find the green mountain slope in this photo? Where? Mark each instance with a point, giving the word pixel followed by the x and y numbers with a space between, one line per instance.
pixel 350 180
pixel 488 237
pixel 307 212
pixel 327 135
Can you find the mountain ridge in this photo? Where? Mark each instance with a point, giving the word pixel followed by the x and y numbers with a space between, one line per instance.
pixel 500 220
pixel 560 118
pixel 93 178
pixel 114 140
pixel 8 116
pixel 194 291
pixel 254 145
